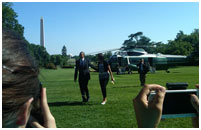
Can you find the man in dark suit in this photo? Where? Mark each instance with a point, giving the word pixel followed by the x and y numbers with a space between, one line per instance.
pixel 82 65
pixel 142 70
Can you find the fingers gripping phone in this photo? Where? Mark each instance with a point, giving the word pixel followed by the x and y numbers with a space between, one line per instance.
pixel 36 111
pixel 177 103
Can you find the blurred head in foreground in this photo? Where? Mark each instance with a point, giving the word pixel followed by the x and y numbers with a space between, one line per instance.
pixel 100 57
pixel 20 84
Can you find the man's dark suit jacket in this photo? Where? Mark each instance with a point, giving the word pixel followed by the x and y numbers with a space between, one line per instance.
pixel 83 70
pixel 145 68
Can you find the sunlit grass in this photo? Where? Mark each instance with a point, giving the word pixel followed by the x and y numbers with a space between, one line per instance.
pixel 65 100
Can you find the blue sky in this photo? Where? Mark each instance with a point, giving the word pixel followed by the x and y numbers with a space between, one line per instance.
pixel 92 27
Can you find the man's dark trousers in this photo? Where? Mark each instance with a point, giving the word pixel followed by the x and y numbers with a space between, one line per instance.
pixel 142 78
pixel 83 83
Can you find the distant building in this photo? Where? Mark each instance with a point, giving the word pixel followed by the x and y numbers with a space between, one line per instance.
pixel 42 41
pixel 70 55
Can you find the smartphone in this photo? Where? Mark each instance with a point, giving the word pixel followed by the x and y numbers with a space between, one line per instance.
pixel 177 103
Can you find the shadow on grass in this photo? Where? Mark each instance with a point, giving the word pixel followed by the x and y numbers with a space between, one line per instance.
pixel 67 103
pixel 174 72
pixel 126 86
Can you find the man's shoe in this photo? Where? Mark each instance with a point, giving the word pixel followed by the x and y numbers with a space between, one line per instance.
pixel 88 99
pixel 84 99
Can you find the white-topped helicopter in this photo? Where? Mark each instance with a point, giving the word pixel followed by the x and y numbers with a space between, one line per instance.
pixel 127 59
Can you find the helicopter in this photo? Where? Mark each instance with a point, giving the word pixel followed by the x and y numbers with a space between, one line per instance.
pixel 126 60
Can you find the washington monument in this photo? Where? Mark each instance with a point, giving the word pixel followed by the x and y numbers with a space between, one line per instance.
pixel 42 33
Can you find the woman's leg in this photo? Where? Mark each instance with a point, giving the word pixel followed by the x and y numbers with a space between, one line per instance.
pixel 103 84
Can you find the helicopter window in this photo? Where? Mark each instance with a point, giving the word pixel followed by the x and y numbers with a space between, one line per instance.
pixel 134 60
pixel 134 53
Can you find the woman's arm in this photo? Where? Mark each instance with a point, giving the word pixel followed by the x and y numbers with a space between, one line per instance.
pixel 110 71
pixel 92 66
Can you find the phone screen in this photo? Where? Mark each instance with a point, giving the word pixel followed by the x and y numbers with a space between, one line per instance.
pixel 178 102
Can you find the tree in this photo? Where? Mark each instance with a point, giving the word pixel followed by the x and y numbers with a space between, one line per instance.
pixel 136 35
pixel 40 54
pixel 180 36
pixel 107 55
pixel 179 48
pixel 9 19
pixel 140 41
pixel 53 59
pixel 64 51
pixel 194 40
pixel 160 47
pixel 58 59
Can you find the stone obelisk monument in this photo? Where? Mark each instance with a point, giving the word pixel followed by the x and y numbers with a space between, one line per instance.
pixel 42 33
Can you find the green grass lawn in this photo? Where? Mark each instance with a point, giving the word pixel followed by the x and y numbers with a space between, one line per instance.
pixel 65 99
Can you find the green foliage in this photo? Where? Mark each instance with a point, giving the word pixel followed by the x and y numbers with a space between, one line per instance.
pixel 107 55
pixel 179 48
pixel 50 66
pixel 194 40
pixel 58 59
pixel 94 58
pixel 140 41
pixel 9 19
pixel 64 51
pixel 136 36
pixel 40 54
pixel 53 59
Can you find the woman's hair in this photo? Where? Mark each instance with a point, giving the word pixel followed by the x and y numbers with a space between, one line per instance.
pixel 19 76
pixel 101 57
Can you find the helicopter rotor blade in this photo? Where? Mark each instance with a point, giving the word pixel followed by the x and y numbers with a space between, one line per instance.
pixel 104 51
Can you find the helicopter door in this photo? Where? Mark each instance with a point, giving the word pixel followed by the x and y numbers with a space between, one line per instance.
pixel 152 66
pixel 150 60
pixel 119 61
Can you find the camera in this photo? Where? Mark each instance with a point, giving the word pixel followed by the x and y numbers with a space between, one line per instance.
pixel 177 102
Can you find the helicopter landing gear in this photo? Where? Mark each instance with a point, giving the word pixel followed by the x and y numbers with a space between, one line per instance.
pixel 129 72
pixel 152 69
pixel 120 71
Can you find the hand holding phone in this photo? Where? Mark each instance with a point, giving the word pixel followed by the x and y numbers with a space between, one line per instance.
pixel 48 119
pixel 195 103
pixel 177 103
pixel 148 114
